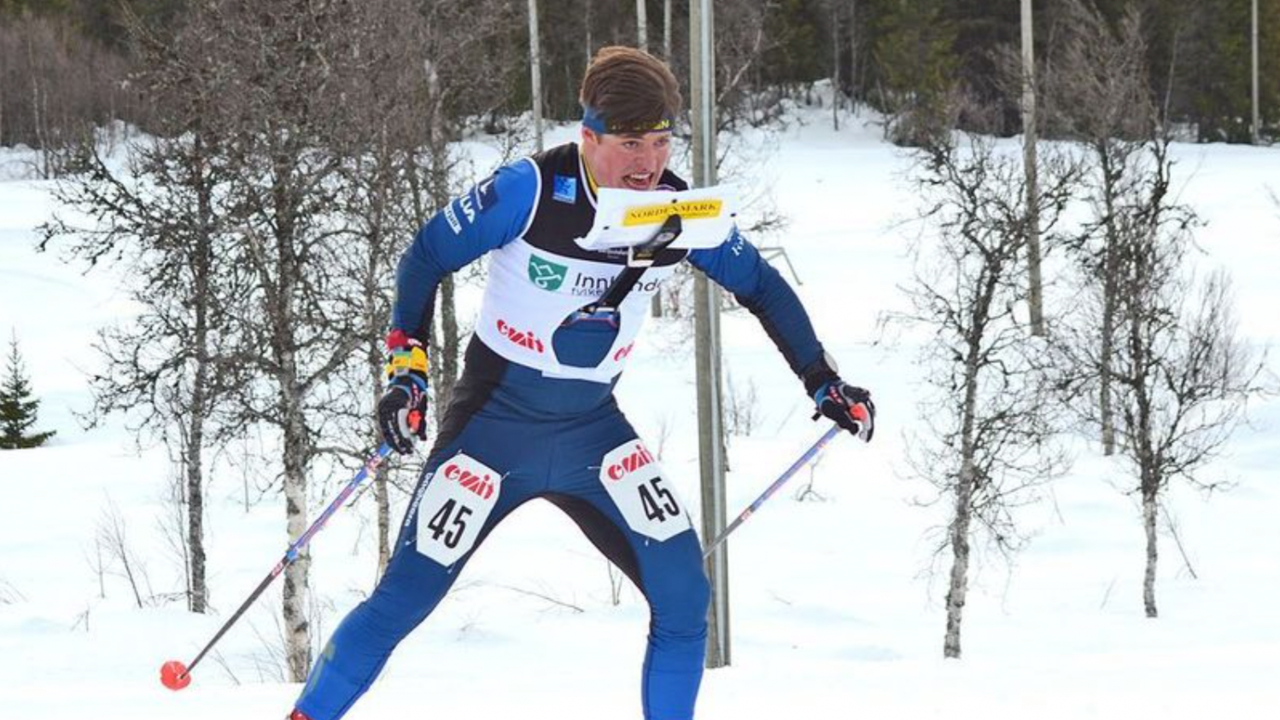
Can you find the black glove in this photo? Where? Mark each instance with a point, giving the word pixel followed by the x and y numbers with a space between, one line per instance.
pixel 402 411
pixel 848 405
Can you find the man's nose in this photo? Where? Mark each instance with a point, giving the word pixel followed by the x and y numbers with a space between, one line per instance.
pixel 650 157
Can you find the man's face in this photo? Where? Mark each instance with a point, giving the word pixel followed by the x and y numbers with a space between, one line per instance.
pixel 632 161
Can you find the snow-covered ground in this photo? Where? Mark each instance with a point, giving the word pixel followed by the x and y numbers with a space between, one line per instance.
pixel 833 614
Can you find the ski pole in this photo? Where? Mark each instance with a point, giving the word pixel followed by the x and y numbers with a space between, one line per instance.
pixel 176 676
pixel 803 460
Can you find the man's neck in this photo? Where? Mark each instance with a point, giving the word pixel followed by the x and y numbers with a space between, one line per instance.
pixel 586 170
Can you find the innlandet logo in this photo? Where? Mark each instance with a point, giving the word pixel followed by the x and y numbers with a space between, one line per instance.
pixel 521 338
pixel 481 485
pixel 636 459
pixel 546 274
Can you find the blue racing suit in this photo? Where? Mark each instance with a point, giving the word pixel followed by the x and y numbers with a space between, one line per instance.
pixel 534 416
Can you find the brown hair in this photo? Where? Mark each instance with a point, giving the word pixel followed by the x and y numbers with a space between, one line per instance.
pixel 631 89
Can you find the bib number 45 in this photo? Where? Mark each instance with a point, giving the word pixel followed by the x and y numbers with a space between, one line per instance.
pixel 633 479
pixel 455 506
pixel 658 502
pixel 449 523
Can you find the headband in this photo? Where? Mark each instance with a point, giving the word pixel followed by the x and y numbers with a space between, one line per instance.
pixel 594 121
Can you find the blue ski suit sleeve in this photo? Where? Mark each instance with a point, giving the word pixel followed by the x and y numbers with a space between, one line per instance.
pixel 736 266
pixel 490 215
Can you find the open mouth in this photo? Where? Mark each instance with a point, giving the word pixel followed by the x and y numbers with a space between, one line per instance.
pixel 638 181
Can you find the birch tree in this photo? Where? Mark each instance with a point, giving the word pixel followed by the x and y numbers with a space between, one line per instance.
pixel 164 221
pixel 1182 376
pixel 300 320
pixel 1100 96
pixel 988 444
pixel 410 69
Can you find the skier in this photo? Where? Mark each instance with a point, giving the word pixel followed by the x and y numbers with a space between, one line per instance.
pixel 534 415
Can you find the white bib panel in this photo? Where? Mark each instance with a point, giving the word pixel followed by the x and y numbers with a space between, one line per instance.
pixel 531 291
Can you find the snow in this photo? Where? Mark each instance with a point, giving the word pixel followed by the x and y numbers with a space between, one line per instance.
pixel 834 613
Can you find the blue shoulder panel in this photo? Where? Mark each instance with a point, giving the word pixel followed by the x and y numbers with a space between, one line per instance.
pixel 490 215
pixel 736 266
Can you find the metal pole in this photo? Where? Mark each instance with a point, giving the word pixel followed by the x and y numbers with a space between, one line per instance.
pixel 535 71
pixel 642 25
pixel 1035 299
pixel 707 339
pixel 666 30
pixel 1256 127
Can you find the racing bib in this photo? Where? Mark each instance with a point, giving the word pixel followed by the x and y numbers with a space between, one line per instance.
pixel 648 502
pixel 455 506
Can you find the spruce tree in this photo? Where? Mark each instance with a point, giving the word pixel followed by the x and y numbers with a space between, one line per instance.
pixel 17 407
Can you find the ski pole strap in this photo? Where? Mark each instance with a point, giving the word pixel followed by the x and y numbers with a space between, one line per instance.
pixel 639 258
pixel 803 460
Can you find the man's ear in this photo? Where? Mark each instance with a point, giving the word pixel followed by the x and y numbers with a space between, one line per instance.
pixel 589 136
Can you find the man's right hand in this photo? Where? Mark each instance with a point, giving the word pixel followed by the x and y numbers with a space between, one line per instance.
pixel 402 411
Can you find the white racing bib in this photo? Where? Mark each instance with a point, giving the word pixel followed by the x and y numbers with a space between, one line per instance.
pixel 455 506
pixel 648 502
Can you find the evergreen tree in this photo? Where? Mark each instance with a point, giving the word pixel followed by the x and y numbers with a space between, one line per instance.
pixel 916 67
pixel 17 407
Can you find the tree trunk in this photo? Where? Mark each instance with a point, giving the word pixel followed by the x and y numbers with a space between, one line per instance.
pixel 297 450
pixel 853 54
pixel 1140 377
pixel 835 66
pixel 383 497
pixel 447 376
pixel 959 586
pixel 381 494
pixel 1105 359
pixel 194 455
pixel 1110 298
pixel 296 627
pixel 199 592
pixel 1149 508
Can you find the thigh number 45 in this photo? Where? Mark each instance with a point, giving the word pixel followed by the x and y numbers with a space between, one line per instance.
pixel 452 525
pixel 658 502
pixel 648 502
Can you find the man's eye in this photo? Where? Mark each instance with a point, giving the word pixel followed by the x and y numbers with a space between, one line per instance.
pixel 631 145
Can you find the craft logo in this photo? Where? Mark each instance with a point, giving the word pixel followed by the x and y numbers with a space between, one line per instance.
pixel 565 189
pixel 485 195
pixel 545 274
pixel 688 210
pixel 481 485
pixel 638 457
pixel 521 338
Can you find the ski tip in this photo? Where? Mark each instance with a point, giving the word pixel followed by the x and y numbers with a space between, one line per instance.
pixel 174 675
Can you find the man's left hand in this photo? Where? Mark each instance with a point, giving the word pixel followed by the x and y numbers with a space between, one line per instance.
pixel 849 406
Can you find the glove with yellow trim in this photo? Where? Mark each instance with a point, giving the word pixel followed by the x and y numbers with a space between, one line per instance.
pixel 402 411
